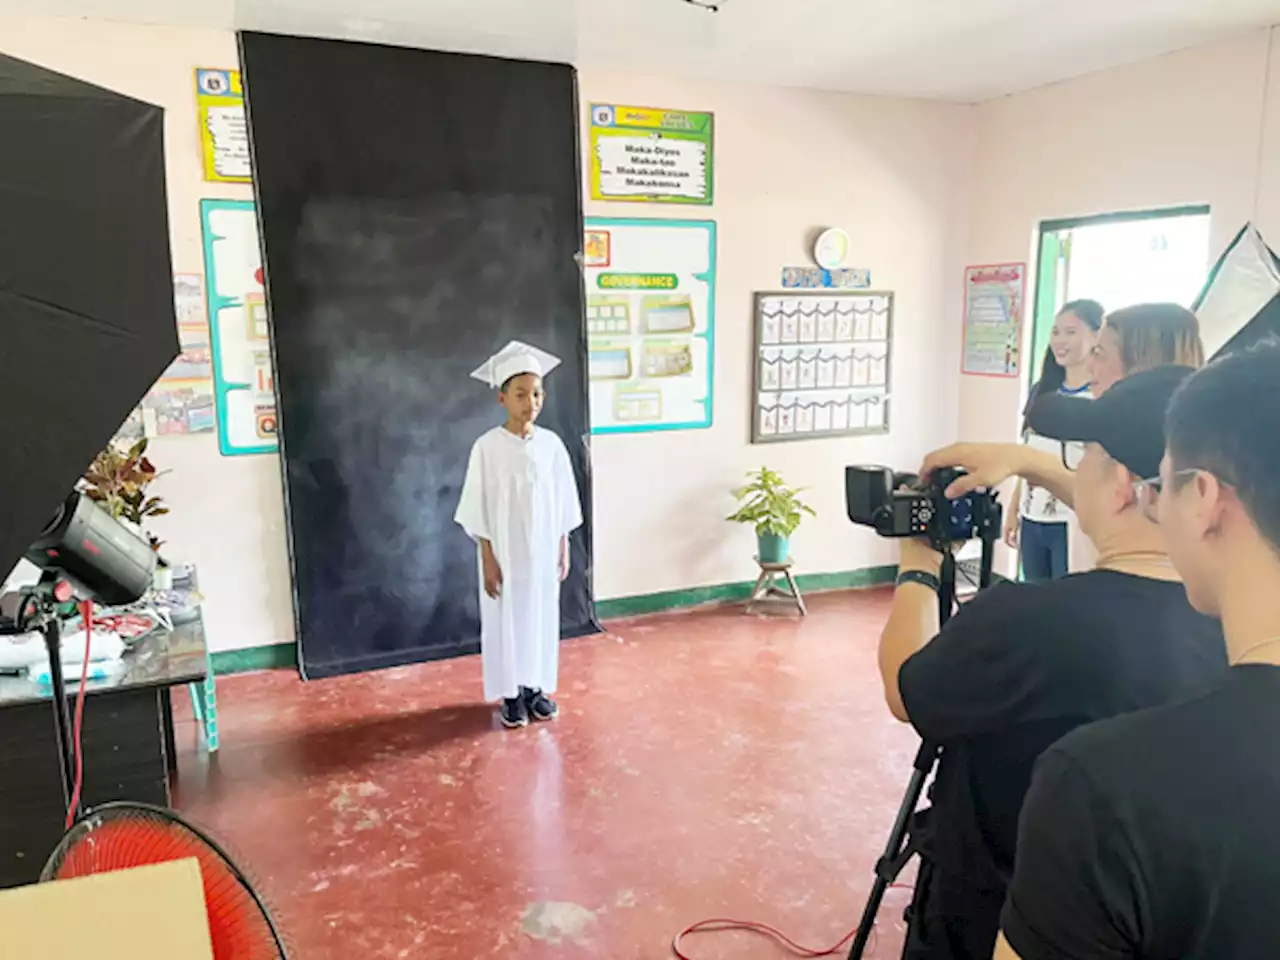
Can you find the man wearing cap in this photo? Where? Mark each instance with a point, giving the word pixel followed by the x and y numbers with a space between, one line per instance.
pixel 519 504
pixel 1155 834
pixel 1021 665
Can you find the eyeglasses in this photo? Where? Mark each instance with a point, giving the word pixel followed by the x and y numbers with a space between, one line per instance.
pixel 1072 454
pixel 1149 491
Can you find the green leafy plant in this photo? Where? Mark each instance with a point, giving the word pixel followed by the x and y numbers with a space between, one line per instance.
pixel 118 479
pixel 769 504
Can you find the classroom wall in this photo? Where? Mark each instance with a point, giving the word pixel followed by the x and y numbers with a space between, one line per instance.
pixel 228 514
pixel 893 173
pixel 1198 126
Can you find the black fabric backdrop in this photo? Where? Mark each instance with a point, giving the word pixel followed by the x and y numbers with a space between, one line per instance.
pixel 418 210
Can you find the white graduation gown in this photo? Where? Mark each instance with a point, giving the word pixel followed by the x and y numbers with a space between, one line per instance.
pixel 520 495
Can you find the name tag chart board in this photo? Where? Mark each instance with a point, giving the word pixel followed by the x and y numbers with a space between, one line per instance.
pixel 650 323
pixel 821 365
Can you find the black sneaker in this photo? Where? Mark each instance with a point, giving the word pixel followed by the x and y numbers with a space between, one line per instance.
pixel 514 713
pixel 538 705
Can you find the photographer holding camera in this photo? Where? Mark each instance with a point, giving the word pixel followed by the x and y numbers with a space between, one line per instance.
pixel 1155 834
pixel 1021 665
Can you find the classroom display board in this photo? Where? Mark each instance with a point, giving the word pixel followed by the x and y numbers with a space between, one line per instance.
pixel 224 133
pixel 181 401
pixel 822 365
pixel 994 298
pixel 401 254
pixel 651 322
pixel 240 336
pixel 643 155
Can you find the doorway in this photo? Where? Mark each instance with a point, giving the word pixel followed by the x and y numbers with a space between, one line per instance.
pixel 1118 259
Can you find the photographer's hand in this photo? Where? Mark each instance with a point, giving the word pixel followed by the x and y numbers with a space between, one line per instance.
pixel 987 465
pixel 921 555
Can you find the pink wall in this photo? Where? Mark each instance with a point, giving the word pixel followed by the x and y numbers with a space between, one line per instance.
pixel 1180 129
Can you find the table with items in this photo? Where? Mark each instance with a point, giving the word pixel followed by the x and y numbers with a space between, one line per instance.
pixel 127 736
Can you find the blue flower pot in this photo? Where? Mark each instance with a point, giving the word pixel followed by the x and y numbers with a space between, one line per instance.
pixel 773 548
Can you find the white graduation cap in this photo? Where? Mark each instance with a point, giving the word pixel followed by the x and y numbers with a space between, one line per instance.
pixel 511 361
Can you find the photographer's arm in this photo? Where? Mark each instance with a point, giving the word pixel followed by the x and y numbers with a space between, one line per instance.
pixel 912 623
pixel 987 465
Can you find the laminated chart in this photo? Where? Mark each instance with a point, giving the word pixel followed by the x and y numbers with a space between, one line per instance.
pixel 239 329
pixel 224 131
pixel 650 323
pixel 821 365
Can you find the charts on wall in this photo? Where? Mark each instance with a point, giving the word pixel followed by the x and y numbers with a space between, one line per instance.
pixel 822 365
pixel 640 154
pixel 181 402
pixel 650 323
pixel 243 379
pixel 994 298
pixel 224 132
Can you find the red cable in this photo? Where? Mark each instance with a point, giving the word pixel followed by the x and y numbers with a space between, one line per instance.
pixel 720 925
pixel 86 612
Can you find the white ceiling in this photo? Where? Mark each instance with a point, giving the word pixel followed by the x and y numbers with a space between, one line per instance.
pixel 963 50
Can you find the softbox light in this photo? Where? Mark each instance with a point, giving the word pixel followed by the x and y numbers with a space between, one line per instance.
pixel 1240 303
pixel 86 283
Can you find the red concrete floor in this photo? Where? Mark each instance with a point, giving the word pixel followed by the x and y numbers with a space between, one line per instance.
pixel 704 764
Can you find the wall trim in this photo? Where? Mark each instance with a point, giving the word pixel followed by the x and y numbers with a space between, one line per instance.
pixel 284 656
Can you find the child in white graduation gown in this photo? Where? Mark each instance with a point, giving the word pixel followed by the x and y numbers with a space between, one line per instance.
pixel 520 503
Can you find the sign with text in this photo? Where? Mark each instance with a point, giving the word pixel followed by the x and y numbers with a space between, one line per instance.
pixel 224 133
pixel 640 154
pixel 994 299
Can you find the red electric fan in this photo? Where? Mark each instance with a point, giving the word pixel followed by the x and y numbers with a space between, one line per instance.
pixel 117 836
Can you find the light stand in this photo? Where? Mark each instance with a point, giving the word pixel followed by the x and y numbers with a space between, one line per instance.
pixel 901 846
pixel 38 610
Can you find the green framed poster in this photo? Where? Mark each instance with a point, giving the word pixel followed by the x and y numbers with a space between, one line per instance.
pixel 651 323
pixel 648 155
pixel 239 333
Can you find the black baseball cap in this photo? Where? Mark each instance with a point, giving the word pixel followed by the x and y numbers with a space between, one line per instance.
pixel 1127 420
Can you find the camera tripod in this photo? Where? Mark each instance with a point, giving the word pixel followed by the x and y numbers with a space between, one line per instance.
pixel 901 846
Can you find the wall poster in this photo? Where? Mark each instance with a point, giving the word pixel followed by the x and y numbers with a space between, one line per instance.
pixel 650 323
pixel 640 154
pixel 243 379
pixel 821 365
pixel 181 401
pixel 994 299
pixel 224 132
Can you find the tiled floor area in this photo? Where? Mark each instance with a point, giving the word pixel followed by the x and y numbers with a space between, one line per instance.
pixel 704 764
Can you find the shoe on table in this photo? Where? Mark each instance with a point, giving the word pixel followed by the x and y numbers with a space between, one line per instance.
pixel 514 713
pixel 538 705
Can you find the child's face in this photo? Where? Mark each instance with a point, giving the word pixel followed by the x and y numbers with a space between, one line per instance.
pixel 522 398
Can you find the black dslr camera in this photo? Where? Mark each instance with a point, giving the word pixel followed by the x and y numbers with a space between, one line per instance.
pixel 900 505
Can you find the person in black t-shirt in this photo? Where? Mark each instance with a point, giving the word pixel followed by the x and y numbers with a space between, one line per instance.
pixel 1021 665
pixel 1157 835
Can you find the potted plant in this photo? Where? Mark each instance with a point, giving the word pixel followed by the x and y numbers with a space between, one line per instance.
pixel 774 509
pixel 118 480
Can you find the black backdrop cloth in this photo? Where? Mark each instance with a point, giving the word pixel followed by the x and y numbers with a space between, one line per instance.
pixel 86 283
pixel 418 210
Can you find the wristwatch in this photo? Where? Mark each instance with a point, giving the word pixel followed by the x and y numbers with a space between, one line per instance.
pixel 921 577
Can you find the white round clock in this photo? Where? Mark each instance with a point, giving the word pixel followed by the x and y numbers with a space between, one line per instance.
pixel 831 248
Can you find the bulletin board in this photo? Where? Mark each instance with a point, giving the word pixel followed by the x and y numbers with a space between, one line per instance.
pixel 224 133
pixel 994 301
pixel 822 365
pixel 650 323
pixel 243 377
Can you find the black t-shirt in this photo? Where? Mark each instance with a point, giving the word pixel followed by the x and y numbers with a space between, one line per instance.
pixel 1157 835
pixel 1021 665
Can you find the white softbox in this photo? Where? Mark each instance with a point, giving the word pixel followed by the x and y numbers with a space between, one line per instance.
pixel 1240 303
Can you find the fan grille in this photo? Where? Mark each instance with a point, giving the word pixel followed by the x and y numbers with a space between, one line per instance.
pixel 121 836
